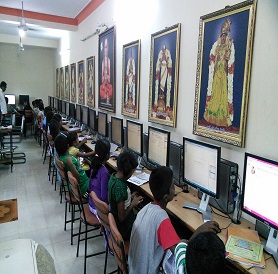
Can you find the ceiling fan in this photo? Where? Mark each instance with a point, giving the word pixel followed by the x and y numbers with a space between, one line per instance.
pixel 22 26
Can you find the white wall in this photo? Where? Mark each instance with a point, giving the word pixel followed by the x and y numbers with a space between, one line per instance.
pixel 139 19
pixel 29 72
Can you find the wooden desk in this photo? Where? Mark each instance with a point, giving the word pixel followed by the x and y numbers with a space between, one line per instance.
pixel 68 129
pixel 192 219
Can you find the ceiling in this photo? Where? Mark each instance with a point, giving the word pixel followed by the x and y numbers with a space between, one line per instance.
pixel 41 17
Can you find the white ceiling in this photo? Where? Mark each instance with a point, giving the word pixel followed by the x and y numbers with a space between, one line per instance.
pixel 37 29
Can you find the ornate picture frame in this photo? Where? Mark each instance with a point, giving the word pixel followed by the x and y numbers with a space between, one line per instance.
pixel 131 79
pixel 90 84
pixel 223 73
pixel 164 73
pixel 73 82
pixel 81 83
pixel 61 89
pixel 67 84
pixel 57 82
pixel 106 70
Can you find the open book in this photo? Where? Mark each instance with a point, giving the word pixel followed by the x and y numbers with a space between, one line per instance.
pixel 140 179
pixel 244 246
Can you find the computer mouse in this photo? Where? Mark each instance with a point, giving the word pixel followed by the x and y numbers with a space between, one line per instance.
pixel 81 135
pixel 93 142
pixel 70 126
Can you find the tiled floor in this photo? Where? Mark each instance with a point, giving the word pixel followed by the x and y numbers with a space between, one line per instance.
pixel 40 214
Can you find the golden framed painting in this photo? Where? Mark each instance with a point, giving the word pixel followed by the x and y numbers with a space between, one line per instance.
pixel 164 72
pixel 73 82
pixel 57 83
pixel 80 90
pixel 62 83
pixel 67 84
pixel 223 73
pixel 90 86
pixel 131 79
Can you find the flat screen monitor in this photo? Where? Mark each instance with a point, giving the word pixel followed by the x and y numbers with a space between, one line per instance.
pixel 158 146
pixel 102 124
pixel 49 101
pixel 117 131
pixel 93 119
pixel 11 98
pixel 78 113
pixel 60 105
pixel 135 137
pixel 85 115
pixel 63 106
pixel 22 99
pixel 55 103
pixel 259 195
pixel 67 108
pixel 72 110
pixel 201 170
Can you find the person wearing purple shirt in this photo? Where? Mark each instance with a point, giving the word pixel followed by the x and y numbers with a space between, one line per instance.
pixel 99 174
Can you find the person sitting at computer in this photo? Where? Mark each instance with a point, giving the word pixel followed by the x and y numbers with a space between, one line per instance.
pixel 72 164
pixel 152 232
pixel 121 201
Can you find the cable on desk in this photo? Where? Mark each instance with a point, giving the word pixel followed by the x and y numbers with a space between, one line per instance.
pixel 227 215
pixel 222 228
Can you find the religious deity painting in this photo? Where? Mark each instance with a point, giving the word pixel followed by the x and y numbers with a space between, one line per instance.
pixel 62 83
pixel 164 73
pixel 73 82
pixel 81 82
pixel 223 73
pixel 106 70
pixel 90 84
pixel 131 79
pixel 57 83
pixel 67 84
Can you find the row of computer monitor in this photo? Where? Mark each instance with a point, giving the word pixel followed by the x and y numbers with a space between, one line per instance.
pixel 201 161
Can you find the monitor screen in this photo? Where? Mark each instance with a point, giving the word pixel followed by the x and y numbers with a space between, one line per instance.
pixel 72 110
pixel 60 105
pixel 201 166
pixel 135 137
pixel 63 106
pixel 11 98
pixel 93 119
pixel 102 124
pixel 85 115
pixel 117 131
pixel 158 146
pixel 260 182
pixel 23 98
pixel 78 113
pixel 56 103
pixel 67 108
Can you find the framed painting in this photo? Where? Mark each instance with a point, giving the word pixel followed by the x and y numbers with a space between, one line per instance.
pixel 91 81
pixel 164 72
pixel 62 83
pixel 67 84
pixel 80 90
pixel 73 82
pixel 106 70
pixel 57 83
pixel 223 73
pixel 131 79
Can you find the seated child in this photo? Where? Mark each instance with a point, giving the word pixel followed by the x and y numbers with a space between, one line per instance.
pixel 152 232
pixel 99 174
pixel 74 145
pixel 204 254
pixel 121 200
pixel 72 164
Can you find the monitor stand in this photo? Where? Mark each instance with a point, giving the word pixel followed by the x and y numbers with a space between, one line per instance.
pixel 139 167
pixel 271 246
pixel 202 208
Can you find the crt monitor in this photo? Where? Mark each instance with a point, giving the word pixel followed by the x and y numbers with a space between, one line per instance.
pixel 117 131
pixel 78 113
pixel 22 99
pixel 93 119
pixel 11 98
pixel 63 106
pixel 67 108
pixel 85 115
pixel 59 105
pixel 102 124
pixel 158 146
pixel 201 170
pixel 135 137
pixel 259 195
pixel 72 110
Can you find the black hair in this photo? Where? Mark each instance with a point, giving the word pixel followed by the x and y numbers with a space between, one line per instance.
pixel 205 254
pixel 47 109
pixel 7 99
pixel 160 182
pixel 61 144
pixel 126 162
pixel 72 136
pixel 40 106
pixel 49 117
pixel 57 117
pixel 3 84
pixel 54 128
pixel 102 153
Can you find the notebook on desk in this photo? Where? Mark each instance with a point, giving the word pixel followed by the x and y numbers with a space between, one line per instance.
pixel 113 147
pixel 139 179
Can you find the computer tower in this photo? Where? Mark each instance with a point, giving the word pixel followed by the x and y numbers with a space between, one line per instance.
pixel 176 161
pixel 228 183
